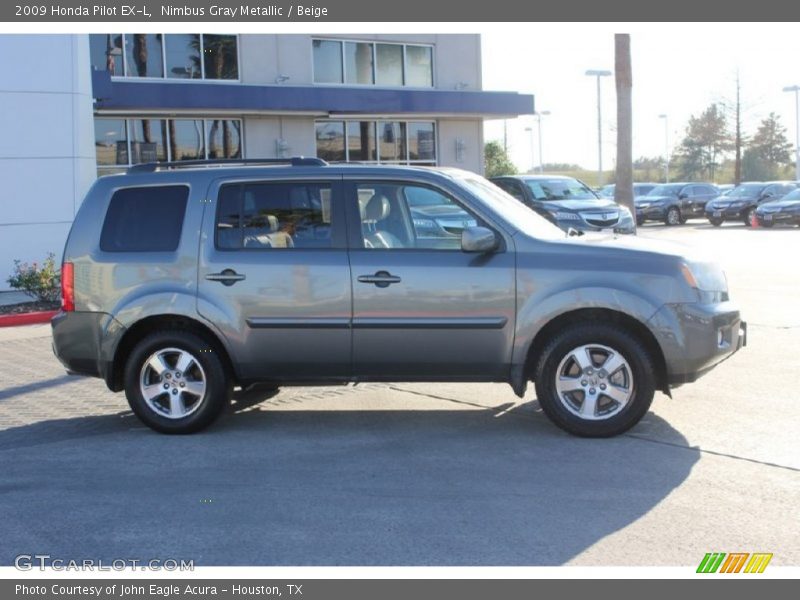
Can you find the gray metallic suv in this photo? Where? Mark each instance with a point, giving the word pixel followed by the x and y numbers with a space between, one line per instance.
pixel 183 281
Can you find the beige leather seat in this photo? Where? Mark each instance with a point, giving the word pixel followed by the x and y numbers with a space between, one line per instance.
pixel 376 211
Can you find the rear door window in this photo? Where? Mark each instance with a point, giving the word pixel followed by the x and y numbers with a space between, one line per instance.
pixel 145 219
pixel 274 215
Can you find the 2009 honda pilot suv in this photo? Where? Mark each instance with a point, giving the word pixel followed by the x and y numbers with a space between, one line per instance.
pixel 183 281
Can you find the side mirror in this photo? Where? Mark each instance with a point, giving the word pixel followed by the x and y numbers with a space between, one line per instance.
pixel 683 196
pixel 478 239
pixel 767 196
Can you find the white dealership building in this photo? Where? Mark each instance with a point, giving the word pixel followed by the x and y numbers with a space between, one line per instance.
pixel 75 107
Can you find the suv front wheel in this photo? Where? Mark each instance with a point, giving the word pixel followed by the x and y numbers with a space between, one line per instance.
pixel 175 382
pixel 595 380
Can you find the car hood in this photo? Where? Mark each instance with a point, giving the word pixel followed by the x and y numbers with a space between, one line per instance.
pixel 439 211
pixel 782 204
pixel 649 199
pixel 597 204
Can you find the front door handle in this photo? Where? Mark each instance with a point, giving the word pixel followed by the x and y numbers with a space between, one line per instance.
pixel 226 277
pixel 381 279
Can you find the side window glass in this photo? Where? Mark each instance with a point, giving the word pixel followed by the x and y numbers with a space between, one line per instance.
pixel 144 219
pixel 410 216
pixel 274 215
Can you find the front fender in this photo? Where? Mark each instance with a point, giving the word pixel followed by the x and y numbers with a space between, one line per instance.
pixel 535 313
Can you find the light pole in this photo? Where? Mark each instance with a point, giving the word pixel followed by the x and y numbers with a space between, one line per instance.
pixel 598 74
pixel 533 159
pixel 539 115
pixel 666 147
pixel 796 90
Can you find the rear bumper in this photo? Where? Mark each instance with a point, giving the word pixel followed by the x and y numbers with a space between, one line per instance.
pixel 697 337
pixel 80 342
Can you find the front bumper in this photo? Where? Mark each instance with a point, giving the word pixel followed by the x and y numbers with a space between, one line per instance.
pixel 621 224
pixel 651 213
pixel 727 214
pixel 778 218
pixel 697 337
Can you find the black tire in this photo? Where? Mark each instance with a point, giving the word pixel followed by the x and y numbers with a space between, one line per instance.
pixel 673 216
pixel 715 222
pixel 748 217
pixel 628 346
pixel 639 222
pixel 217 383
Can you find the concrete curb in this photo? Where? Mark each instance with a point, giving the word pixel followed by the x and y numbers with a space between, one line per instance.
pixel 30 318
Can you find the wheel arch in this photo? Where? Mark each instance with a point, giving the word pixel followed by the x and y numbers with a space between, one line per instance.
pixel 597 315
pixel 147 325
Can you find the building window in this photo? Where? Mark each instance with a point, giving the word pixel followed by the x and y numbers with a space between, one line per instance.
pixel 398 142
pixel 372 63
pixel 170 56
pixel 120 143
pixel 328 62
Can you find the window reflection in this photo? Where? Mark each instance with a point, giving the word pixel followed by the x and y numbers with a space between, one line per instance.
pixel 389 64
pixel 392 140
pixel 330 141
pixel 186 139
pixel 361 140
pixel 224 138
pixel 111 142
pixel 421 141
pixel 220 56
pixel 183 56
pixel 358 63
pixel 327 61
pixel 148 140
pixel 105 51
pixel 143 55
pixel 419 66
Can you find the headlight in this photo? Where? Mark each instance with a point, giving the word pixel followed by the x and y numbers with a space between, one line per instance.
pixel 565 216
pixel 704 276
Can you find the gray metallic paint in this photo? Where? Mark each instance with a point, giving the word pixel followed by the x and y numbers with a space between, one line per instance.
pixel 463 316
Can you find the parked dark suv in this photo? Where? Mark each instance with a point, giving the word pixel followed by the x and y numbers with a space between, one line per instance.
pixel 674 203
pixel 567 202
pixel 181 282
pixel 741 203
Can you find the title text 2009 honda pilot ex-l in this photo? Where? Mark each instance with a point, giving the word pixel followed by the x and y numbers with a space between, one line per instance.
pixel 183 281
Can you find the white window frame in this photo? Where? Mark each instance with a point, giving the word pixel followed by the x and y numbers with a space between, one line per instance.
pixel 406 161
pixel 374 44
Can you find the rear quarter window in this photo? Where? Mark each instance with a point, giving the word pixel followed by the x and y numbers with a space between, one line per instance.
pixel 145 219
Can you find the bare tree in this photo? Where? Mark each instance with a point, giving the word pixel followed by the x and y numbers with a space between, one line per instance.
pixel 623 191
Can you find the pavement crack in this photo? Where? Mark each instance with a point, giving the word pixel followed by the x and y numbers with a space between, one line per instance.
pixel 712 452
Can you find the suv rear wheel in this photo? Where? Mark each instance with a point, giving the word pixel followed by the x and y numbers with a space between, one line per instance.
pixel 594 380
pixel 175 382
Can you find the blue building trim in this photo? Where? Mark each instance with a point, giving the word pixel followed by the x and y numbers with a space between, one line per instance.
pixel 170 96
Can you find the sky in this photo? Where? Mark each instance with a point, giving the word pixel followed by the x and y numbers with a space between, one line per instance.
pixel 678 70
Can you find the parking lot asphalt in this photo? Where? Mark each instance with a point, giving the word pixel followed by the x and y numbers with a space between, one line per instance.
pixel 421 474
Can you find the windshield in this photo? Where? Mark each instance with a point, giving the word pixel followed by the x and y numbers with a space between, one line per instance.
pixel 512 210
pixel 746 190
pixel 559 189
pixel 795 195
pixel 607 191
pixel 664 190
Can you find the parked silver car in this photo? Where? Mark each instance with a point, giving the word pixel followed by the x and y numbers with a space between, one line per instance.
pixel 181 281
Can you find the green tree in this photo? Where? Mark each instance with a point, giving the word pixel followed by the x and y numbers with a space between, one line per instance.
pixel 497 161
pixel 770 147
pixel 704 145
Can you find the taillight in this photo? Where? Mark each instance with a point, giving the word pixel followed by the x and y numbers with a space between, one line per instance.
pixel 67 287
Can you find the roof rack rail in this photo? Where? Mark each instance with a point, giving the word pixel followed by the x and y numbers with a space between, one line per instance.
pixel 295 161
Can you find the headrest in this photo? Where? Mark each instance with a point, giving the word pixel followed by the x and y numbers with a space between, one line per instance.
pixel 272 223
pixel 377 208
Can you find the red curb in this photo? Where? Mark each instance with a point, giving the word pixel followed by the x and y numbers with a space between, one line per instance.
pixel 30 318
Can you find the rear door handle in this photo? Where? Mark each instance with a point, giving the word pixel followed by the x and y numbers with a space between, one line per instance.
pixel 226 277
pixel 381 279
